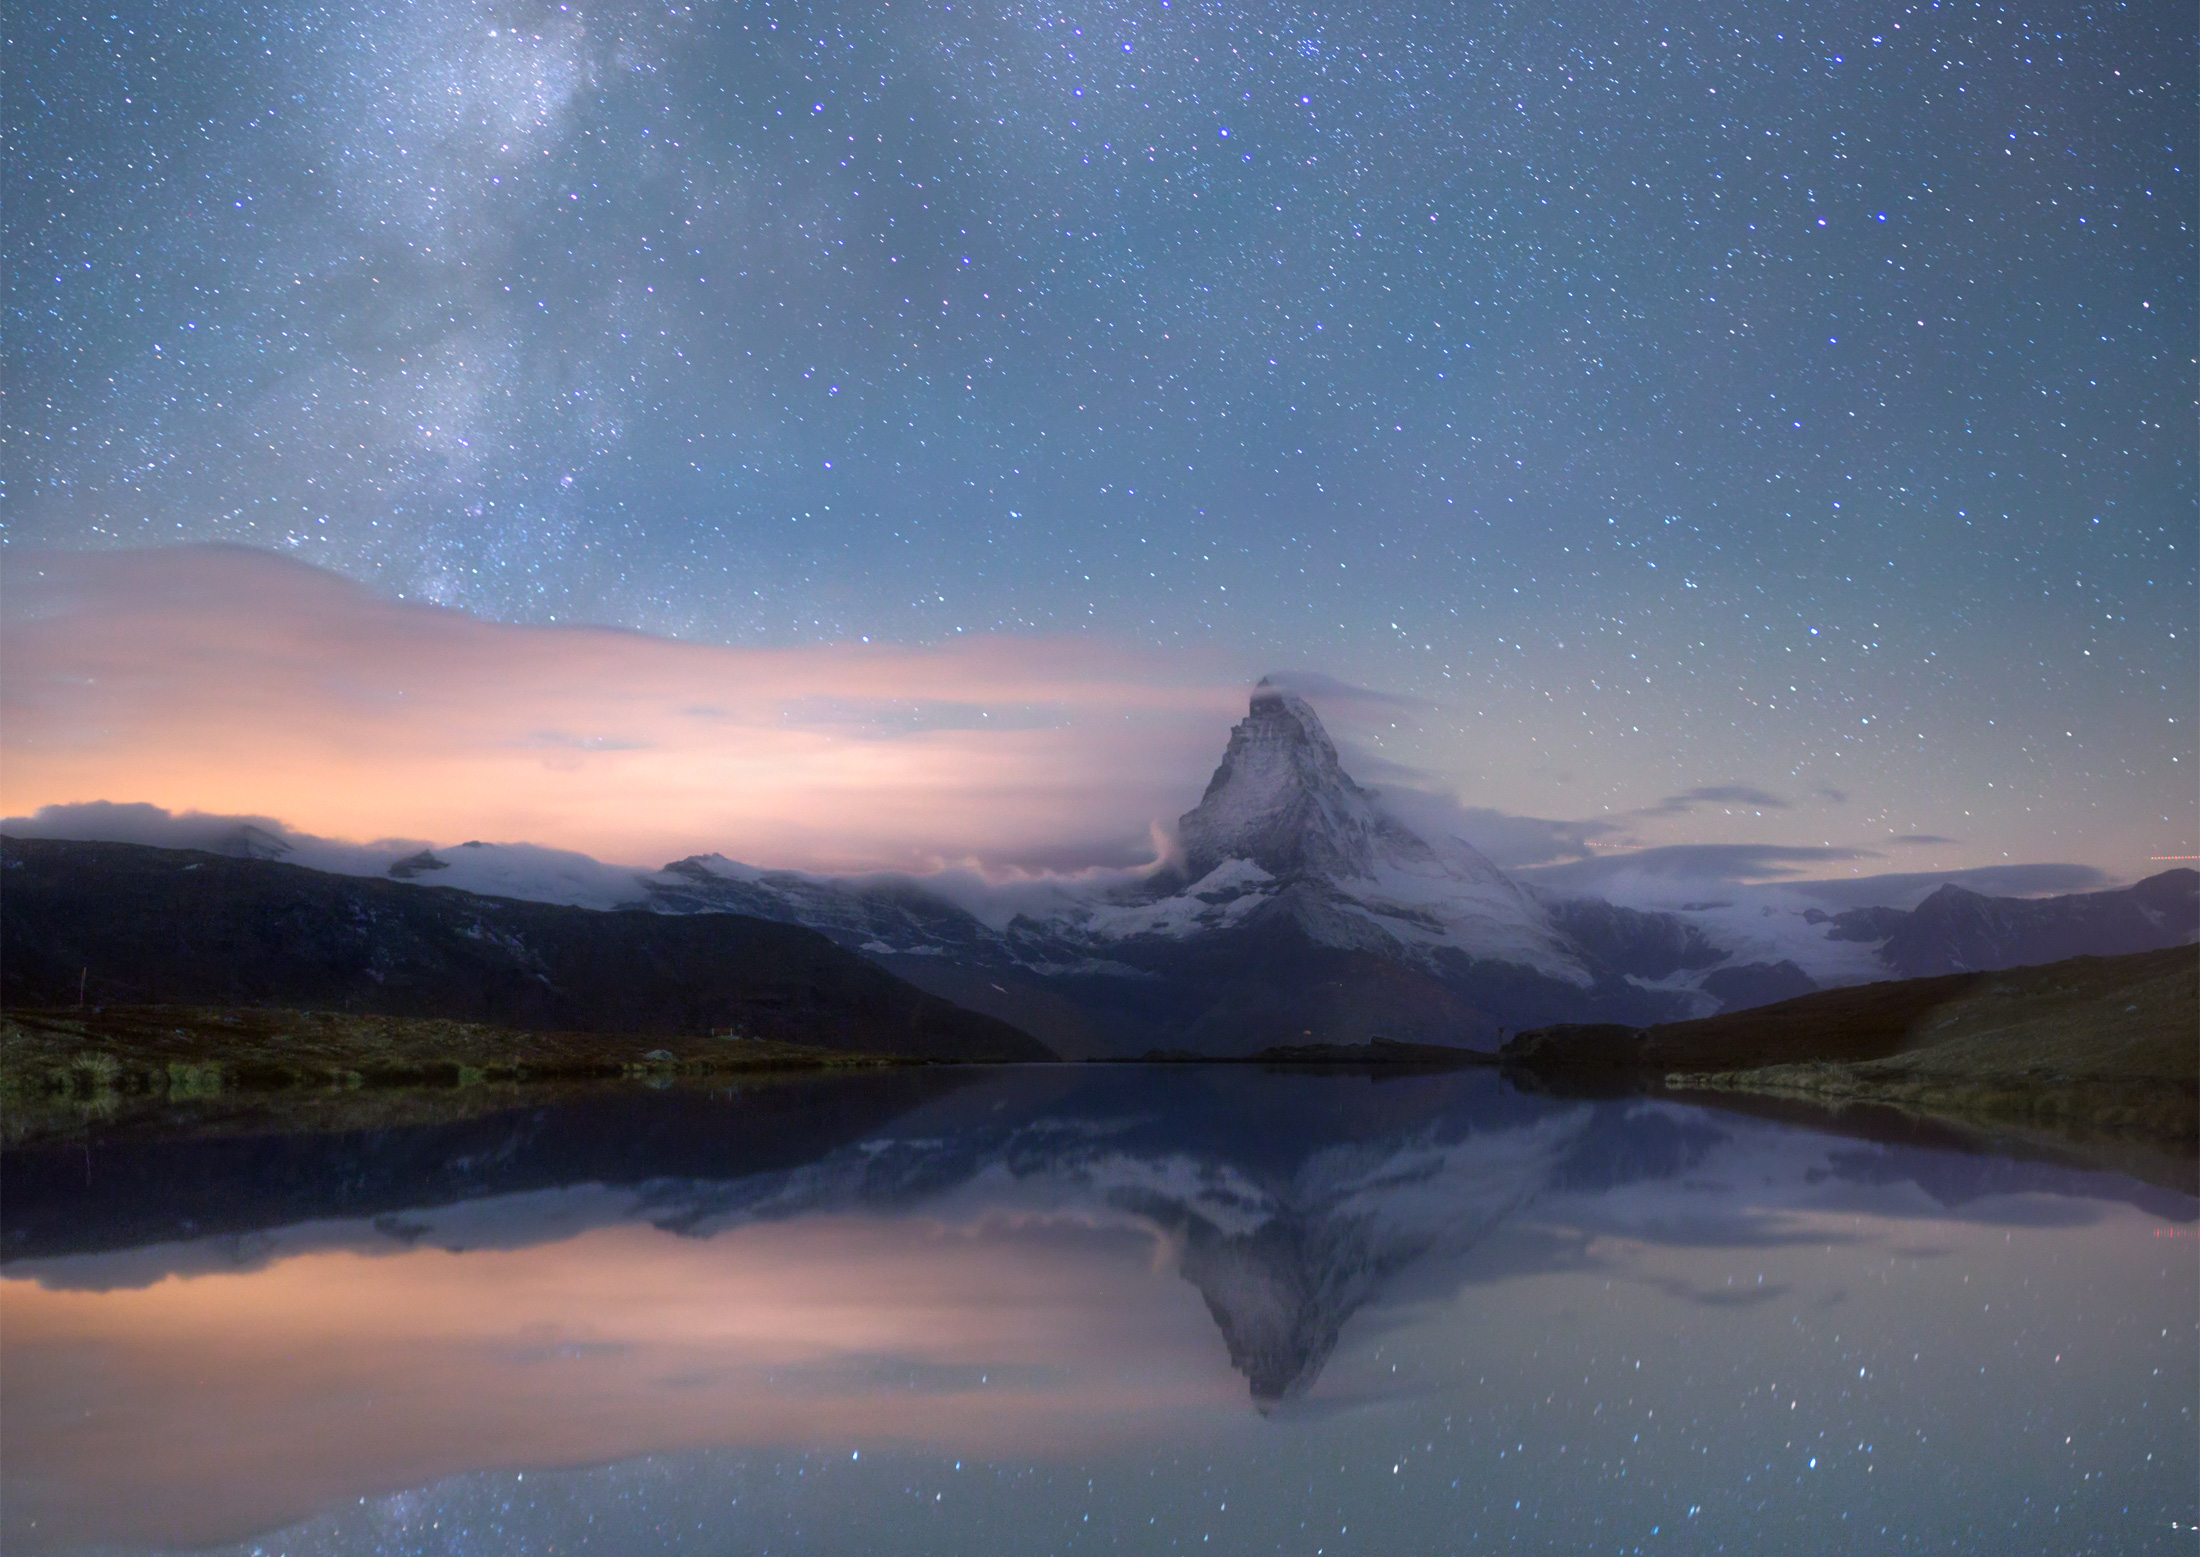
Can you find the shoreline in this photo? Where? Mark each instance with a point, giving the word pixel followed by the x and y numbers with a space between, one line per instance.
pixel 2099 1055
pixel 63 1070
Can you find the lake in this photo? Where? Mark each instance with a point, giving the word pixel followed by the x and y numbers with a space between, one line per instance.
pixel 1100 1308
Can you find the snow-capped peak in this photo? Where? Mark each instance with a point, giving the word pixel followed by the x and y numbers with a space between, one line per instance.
pixel 1282 800
pixel 1323 849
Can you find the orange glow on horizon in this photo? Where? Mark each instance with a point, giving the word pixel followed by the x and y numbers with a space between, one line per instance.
pixel 234 682
pixel 335 1374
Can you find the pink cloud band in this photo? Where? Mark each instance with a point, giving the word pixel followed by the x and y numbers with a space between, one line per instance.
pixel 226 680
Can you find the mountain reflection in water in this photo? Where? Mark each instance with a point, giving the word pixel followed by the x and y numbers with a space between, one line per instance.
pixel 210 1337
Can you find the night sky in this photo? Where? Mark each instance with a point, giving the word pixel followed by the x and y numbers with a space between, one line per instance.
pixel 1782 407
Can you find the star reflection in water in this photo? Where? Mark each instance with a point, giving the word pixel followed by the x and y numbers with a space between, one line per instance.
pixel 780 1318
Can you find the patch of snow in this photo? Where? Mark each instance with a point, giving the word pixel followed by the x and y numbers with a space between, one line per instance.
pixel 536 875
pixel 1767 924
pixel 1088 967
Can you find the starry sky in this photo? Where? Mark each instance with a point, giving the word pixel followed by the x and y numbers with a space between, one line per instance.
pixel 1743 421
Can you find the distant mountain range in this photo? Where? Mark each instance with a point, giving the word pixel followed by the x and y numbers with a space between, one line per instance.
pixel 1297 909
pixel 1955 931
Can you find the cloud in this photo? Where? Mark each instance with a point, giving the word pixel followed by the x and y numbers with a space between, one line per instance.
pixel 1924 838
pixel 1590 859
pixel 240 835
pixel 521 870
pixel 261 837
pixel 1713 795
pixel 565 740
pixel 1510 841
pixel 1330 693
pixel 239 684
pixel 1369 767
pixel 1776 876
pixel 224 698
pixel 1909 888
pixel 1711 864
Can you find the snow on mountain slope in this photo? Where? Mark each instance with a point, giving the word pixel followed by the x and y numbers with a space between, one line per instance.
pixel 872 914
pixel 525 871
pixel 1295 901
pixel 1282 828
pixel 1281 799
pixel 1778 923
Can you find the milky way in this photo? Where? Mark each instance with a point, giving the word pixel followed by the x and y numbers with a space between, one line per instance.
pixel 1783 399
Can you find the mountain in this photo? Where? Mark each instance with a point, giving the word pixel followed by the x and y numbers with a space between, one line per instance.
pixel 127 923
pixel 1297 909
pixel 1955 931
pixel 1282 801
pixel 2085 1048
pixel 1282 819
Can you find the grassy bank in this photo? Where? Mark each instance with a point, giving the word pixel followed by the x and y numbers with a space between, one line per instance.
pixel 63 1069
pixel 2095 1048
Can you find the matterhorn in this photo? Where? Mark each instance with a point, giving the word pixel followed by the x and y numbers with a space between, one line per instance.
pixel 1282 821
pixel 1295 908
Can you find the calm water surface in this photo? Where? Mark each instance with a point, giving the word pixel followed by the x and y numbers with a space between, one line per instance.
pixel 1082 1309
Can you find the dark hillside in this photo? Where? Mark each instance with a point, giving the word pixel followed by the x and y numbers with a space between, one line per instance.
pixel 143 926
pixel 2130 1017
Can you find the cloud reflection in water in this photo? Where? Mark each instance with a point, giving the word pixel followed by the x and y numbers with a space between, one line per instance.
pixel 1617 1299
